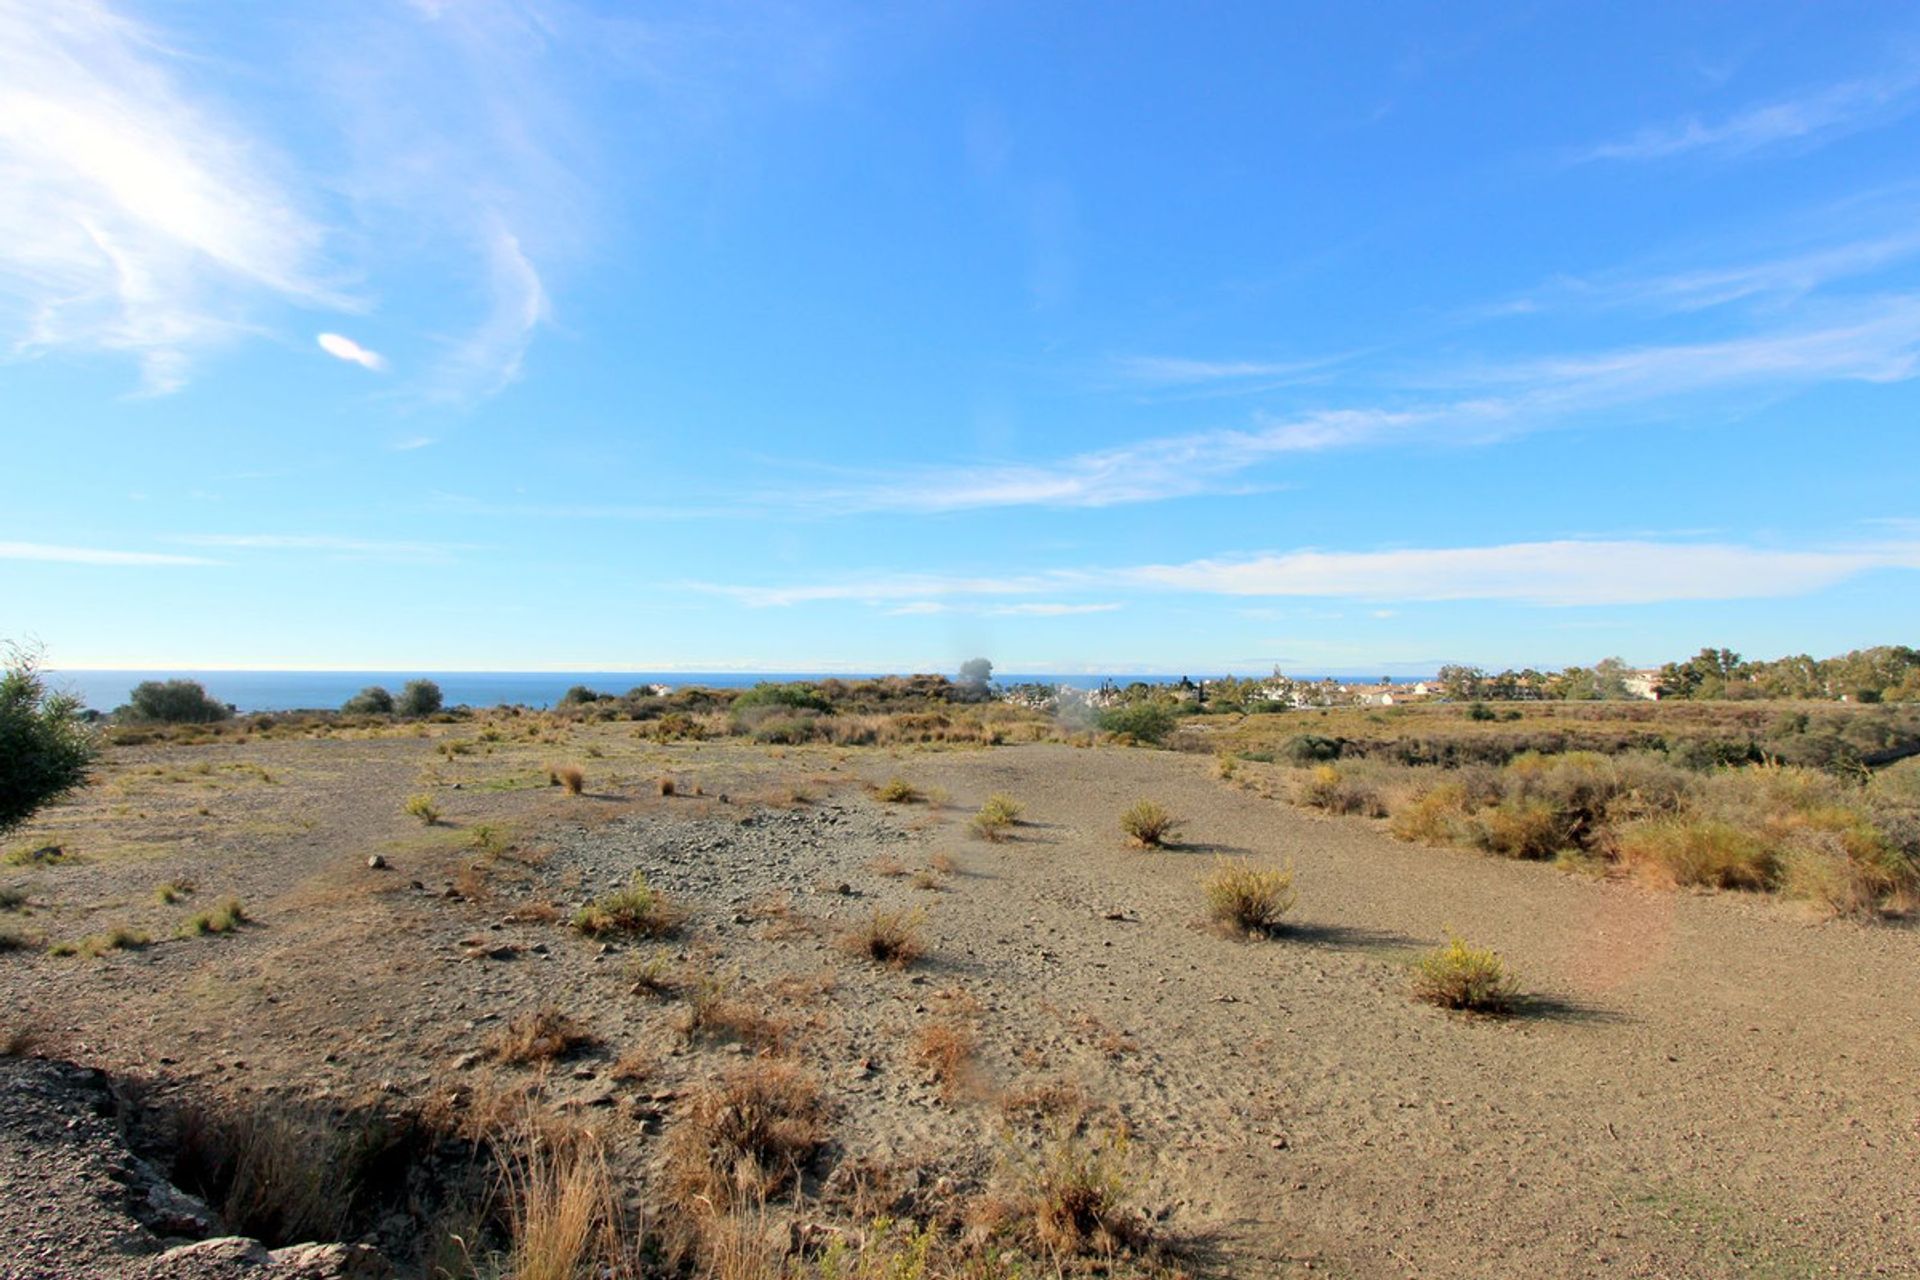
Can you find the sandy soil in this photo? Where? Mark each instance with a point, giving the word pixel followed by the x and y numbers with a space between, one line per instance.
pixel 1701 1085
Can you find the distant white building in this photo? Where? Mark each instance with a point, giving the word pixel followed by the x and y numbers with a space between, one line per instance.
pixel 1643 684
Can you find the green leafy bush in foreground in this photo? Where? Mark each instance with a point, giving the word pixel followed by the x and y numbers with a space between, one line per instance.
pixel 45 750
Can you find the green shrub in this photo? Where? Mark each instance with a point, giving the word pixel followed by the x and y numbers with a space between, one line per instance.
pixel 370 701
pixel 173 702
pixel 422 807
pixel 1699 851
pixel 639 909
pixel 1460 976
pixel 898 790
pixel 1329 789
pixel 1310 748
pixel 797 697
pixel 1141 721
pixel 997 817
pixel 1248 897
pixel 418 698
pixel 1148 824
pixel 45 749
pixel 225 918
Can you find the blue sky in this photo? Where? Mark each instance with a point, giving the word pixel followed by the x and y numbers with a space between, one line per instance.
pixel 524 335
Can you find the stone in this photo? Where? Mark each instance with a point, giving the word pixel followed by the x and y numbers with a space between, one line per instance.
pixel 331 1262
pixel 376 863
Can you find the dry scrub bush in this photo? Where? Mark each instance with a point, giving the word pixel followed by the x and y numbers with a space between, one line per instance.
pixel 887 865
pixel 745 1137
pixel 1148 824
pixel 422 807
pixel 1327 788
pixel 897 790
pixel 649 976
pixel 891 938
pixel 273 1172
pixel 714 1014
pixel 944 1051
pixel 1461 976
pixel 638 910
pixel 1697 851
pixel 997 818
pixel 119 938
pixel 944 863
pixel 1247 897
pixel 1068 1199
pixel 667 787
pixel 572 777
pixel 537 1035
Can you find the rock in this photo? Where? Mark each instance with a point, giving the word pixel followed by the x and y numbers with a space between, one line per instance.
pixel 376 863
pixel 467 1061
pixel 227 1251
pixel 170 1211
pixel 331 1262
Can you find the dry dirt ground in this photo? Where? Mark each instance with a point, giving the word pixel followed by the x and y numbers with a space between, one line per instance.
pixel 1700 1085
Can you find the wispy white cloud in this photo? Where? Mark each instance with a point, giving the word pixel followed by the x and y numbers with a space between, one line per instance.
pixel 1174 371
pixel 50 554
pixel 490 358
pixel 1830 111
pixel 1049 609
pixel 329 544
pixel 341 347
pixel 135 215
pixel 1563 572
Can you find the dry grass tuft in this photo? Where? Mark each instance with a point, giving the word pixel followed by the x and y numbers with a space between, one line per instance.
pixel 572 777
pixel 891 938
pixel 897 790
pixel 945 1051
pixel 1068 1199
pixel 422 807
pixel 745 1137
pixel 1148 825
pixel 997 818
pixel 165 894
pixel 650 976
pixel 1698 851
pixel 119 938
pixel 945 864
pixel 714 1014
pixel 564 1219
pixel 639 910
pixel 538 1035
pixel 224 918
pixel 887 865
pixel 1247 897
pixel 1461 976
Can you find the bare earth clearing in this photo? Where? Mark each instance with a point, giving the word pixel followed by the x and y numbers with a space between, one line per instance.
pixel 1702 1085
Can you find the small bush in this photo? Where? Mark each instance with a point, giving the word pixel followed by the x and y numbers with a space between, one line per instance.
pixel 224 918
pixel 639 909
pixel 418 698
pixel 171 892
pixel 537 1035
pixel 572 777
pixel 1520 828
pixel 1459 976
pixel 1148 824
pixel 997 818
pixel 898 791
pixel 1141 721
pixel 1697 851
pixel 12 899
pixel 1247 897
pixel 667 787
pixel 173 702
pixel 13 940
pixel 1329 789
pixel 370 701
pixel 422 807
pixel 119 938
pixel 744 1138
pixel 891 938
pixel 1069 1198
pixel 45 748
pixel 1310 748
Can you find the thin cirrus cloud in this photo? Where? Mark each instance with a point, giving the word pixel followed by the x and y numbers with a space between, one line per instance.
pixel 47 553
pixel 1831 111
pixel 341 347
pixel 134 217
pixel 1560 573
pixel 1865 339
pixel 328 544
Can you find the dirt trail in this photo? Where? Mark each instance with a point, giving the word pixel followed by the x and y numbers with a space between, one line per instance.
pixel 1702 1086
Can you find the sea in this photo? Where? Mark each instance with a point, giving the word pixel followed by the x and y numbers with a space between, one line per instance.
pixel 326 690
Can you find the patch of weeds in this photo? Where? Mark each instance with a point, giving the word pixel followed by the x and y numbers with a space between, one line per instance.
pixel 12 899
pixel 887 865
pixel 639 909
pixel 422 807
pixel 538 1035
pixel 891 938
pixel 714 1014
pixel 224 918
pixel 1461 976
pixel 745 1137
pixel 171 891
pixel 1148 824
pixel 897 790
pixel 571 777
pixel 1067 1199
pixel 45 855
pixel 1249 898
pixel 997 818
pixel 119 938
pixel 944 1050
pixel 650 975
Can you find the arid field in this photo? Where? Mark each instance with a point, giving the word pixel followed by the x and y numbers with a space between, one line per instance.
pixel 381 985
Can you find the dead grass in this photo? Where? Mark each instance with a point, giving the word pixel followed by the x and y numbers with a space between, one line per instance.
pixel 887 865
pixel 565 1220
pixel 119 938
pixel 1465 977
pixel 571 777
pixel 944 1050
pixel 1247 897
pixel 1680 851
pixel 545 1034
pixel 1148 825
pixel 945 864
pixel 745 1137
pixel 1068 1199
pixel 713 1013
pixel 891 938
pixel 650 976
